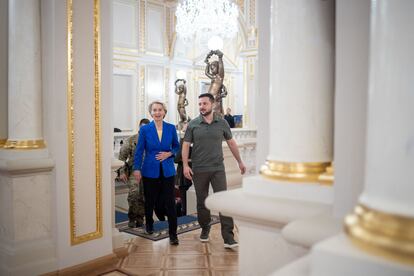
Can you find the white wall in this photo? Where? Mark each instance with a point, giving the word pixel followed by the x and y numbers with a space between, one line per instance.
pixel 125 14
pixel 123 104
pixel 55 95
pixel 263 87
pixel 159 65
pixel 351 90
pixel 4 62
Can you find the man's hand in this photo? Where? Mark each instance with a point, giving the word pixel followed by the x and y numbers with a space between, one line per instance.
pixel 242 168
pixel 138 176
pixel 188 172
pixel 162 155
pixel 123 177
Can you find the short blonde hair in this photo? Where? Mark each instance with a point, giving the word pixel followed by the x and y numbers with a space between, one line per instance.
pixel 164 106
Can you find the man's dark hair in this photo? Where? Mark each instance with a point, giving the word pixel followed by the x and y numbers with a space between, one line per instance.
pixel 144 121
pixel 208 95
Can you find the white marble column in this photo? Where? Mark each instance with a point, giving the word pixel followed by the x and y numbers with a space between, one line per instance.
pixel 384 219
pixel 25 87
pixel 301 93
pixel 3 70
pixel 300 136
pixel 263 83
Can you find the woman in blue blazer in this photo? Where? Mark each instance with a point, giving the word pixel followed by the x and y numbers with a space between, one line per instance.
pixel 154 163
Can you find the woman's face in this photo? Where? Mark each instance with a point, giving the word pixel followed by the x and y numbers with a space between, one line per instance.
pixel 157 112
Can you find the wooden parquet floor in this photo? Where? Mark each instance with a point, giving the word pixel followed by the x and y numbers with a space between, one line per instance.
pixel 191 257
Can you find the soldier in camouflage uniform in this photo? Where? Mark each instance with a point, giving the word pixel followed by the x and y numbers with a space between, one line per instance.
pixel 136 211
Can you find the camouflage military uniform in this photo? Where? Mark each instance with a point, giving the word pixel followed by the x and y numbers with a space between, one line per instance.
pixel 136 210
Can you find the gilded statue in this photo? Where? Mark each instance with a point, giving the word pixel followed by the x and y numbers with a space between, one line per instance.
pixel 215 72
pixel 181 91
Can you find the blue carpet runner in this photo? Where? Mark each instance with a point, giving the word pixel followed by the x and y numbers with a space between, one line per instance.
pixel 184 224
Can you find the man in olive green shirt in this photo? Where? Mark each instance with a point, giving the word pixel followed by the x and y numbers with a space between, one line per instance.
pixel 206 133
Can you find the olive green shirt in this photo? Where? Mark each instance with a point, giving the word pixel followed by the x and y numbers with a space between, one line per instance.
pixel 207 151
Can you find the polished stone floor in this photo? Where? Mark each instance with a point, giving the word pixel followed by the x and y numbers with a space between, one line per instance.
pixel 191 257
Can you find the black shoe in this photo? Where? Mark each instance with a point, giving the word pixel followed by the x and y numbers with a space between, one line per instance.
pixel 139 224
pixel 204 234
pixel 161 218
pixel 230 244
pixel 131 224
pixel 149 229
pixel 174 240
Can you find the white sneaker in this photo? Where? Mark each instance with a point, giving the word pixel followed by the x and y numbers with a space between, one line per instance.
pixel 231 244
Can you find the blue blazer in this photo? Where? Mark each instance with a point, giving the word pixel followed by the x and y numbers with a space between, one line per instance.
pixel 149 145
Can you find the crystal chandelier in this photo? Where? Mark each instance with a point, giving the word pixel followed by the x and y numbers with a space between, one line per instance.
pixel 206 18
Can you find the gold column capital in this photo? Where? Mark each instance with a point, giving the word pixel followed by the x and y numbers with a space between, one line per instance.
pixel 2 142
pixel 380 233
pixel 294 171
pixel 23 144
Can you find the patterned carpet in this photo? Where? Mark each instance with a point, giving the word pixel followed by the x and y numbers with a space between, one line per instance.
pixel 185 224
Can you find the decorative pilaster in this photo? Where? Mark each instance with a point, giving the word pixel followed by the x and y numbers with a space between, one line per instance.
pixel 383 222
pixel 25 86
pixel 302 85
pixel 142 25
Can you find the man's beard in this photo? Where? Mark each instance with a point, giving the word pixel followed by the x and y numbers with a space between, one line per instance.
pixel 206 113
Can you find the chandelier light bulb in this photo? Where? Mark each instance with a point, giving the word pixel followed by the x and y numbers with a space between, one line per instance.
pixel 206 18
pixel 215 43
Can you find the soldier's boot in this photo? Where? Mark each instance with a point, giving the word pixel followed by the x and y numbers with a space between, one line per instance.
pixel 140 222
pixel 132 224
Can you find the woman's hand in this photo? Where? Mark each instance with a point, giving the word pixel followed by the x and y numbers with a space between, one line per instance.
pixel 162 155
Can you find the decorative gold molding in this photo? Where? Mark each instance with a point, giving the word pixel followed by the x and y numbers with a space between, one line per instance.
pixel 245 95
pixel 251 67
pixel 328 177
pixel 142 35
pixel 23 144
pixel 97 82
pixel 142 92
pixel 294 171
pixel 151 53
pixel 240 3
pixel 167 33
pixel 124 66
pixel 71 135
pixel 124 60
pixel 380 233
pixel 166 84
pixel 252 12
pixel 2 142
pixel 122 49
pixel 172 45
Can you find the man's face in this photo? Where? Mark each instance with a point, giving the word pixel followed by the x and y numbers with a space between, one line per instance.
pixel 205 106
pixel 228 110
